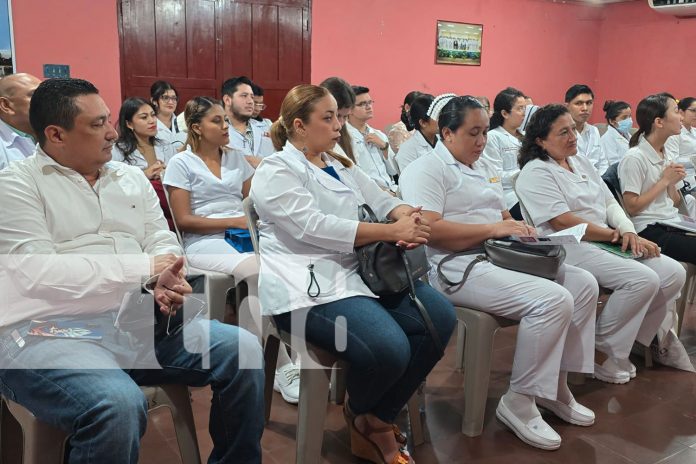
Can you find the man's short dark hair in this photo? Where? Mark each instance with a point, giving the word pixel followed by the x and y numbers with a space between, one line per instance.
pixel 257 89
pixel 577 89
pixel 229 87
pixel 359 90
pixel 53 104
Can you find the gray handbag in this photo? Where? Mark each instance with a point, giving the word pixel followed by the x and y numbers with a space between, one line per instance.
pixel 540 260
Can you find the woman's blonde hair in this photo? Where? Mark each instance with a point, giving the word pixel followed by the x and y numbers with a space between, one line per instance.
pixel 299 104
pixel 195 111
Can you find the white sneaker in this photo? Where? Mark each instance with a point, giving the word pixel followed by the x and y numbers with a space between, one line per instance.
pixel 573 412
pixel 536 432
pixel 627 366
pixel 287 382
pixel 611 372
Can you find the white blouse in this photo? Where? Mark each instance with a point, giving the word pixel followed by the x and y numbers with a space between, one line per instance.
pixel 211 197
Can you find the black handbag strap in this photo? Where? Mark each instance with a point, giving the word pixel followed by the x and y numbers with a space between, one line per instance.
pixel 424 313
pixel 366 211
pixel 481 252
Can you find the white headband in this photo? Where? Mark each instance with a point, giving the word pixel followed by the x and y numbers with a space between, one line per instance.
pixel 439 103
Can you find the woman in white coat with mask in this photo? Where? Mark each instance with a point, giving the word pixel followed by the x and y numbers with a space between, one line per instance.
pixel 462 199
pixel 560 190
pixel 619 123
pixel 308 200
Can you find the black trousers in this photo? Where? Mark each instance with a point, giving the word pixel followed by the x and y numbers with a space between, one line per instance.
pixel 675 243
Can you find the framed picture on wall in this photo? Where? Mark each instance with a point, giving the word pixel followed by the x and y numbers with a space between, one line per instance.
pixel 458 43
pixel 7 61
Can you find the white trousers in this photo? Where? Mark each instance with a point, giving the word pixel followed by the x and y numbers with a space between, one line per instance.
pixel 215 254
pixel 643 290
pixel 557 319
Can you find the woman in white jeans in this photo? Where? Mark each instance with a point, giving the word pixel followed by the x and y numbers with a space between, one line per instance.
pixel 561 190
pixel 462 198
pixel 207 183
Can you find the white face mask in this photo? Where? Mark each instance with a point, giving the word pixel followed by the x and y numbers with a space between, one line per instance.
pixel 625 125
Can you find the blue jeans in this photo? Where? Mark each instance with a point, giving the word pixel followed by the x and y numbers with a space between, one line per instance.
pixel 388 346
pixel 104 410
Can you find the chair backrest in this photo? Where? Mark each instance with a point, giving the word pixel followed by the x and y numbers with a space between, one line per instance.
pixel 611 178
pixel 525 214
pixel 176 227
pixel 252 222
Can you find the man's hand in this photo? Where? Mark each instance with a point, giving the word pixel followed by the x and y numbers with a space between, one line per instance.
pixel 171 287
pixel 159 263
pixel 375 140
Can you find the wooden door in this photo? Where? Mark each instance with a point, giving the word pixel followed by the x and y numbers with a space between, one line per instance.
pixel 197 44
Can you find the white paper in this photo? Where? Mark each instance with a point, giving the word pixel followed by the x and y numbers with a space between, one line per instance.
pixel 569 236
pixel 682 222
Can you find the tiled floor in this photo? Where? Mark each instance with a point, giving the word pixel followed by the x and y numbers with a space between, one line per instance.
pixel 650 420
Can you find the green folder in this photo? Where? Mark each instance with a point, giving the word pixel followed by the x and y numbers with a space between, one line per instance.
pixel 615 249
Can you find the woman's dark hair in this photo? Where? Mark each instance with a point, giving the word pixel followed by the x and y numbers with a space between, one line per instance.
pixel 504 101
pixel 612 109
pixel 158 89
pixel 453 114
pixel 341 91
pixel 408 100
pixel 419 110
pixel 685 103
pixel 127 140
pixel 649 108
pixel 538 128
pixel 345 98
pixel 195 111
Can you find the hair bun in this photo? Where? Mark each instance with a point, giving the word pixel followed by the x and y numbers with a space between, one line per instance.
pixel 607 105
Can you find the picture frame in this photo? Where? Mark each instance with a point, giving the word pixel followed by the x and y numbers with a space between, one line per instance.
pixel 7 51
pixel 458 43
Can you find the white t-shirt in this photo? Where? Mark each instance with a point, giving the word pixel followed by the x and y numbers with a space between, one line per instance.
pixel 548 190
pixel 412 149
pixel 640 169
pixel 502 149
pixel 590 147
pixel 459 193
pixel 614 145
pixel 211 197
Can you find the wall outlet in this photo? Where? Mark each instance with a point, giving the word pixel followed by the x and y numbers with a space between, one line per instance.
pixel 56 70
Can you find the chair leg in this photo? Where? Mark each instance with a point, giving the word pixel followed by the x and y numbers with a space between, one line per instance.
pixel 419 431
pixel 338 383
pixel 461 335
pixel 477 371
pixel 311 414
pixel 681 307
pixel 270 358
pixel 178 400
pixel 647 353
pixel 43 443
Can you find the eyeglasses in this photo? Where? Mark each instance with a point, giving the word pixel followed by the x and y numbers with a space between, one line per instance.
pixel 261 106
pixel 167 98
pixel 365 104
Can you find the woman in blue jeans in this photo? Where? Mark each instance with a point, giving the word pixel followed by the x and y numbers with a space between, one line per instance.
pixel 308 198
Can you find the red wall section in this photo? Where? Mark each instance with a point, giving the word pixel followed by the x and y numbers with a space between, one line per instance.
pixel 642 52
pixel 79 33
pixel 537 46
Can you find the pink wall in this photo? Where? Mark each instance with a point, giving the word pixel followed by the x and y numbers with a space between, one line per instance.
pixel 79 33
pixel 642 52
pixel 537 46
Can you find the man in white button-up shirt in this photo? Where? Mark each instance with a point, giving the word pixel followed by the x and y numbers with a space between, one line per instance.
pixel 370 146
pixel 580 100
pixel 16 142
pixel 78 234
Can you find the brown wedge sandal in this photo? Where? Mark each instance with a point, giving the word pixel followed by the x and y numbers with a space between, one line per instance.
pixel 364 448
pixel 401 437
